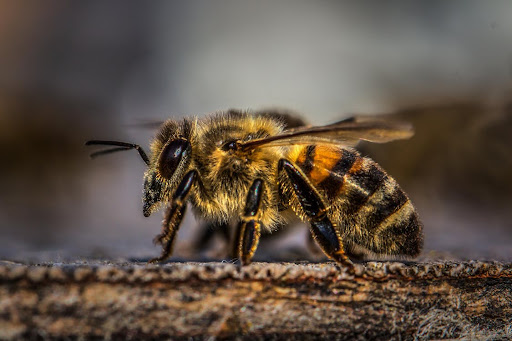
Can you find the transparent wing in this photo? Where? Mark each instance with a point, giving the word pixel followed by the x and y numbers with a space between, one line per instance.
pixel 146 124
pixel 344 133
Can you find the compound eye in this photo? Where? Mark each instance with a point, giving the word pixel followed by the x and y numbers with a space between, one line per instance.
pixel 172 156
pixel 231 145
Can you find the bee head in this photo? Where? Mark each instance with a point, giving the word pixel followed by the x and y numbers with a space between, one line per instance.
pixel 170 160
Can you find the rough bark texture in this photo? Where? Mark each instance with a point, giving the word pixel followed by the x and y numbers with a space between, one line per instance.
pixel 382 300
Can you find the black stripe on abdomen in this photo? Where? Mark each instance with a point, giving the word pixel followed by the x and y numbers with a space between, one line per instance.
pixel 333 183
pixel 365 182
pixel 370 179
pixel 389 204
pixel 408 232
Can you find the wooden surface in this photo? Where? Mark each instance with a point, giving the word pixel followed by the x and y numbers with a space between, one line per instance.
pixel 382 300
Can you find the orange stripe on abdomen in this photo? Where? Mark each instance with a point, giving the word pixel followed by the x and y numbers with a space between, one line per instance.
pixel 325 159
pixel 333 184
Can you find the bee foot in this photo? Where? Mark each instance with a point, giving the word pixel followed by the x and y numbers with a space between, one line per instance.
pixel 159 239
pixel 156 260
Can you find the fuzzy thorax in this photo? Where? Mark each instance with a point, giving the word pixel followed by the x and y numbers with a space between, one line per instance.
pixel 226 173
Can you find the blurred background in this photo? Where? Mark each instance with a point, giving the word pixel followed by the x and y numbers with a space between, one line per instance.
pixel 73 71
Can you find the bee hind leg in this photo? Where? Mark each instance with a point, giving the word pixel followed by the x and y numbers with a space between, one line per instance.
pixel 321 227
pixel 174 216
pixel 249 229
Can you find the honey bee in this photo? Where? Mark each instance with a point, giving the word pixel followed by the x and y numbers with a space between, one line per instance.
pixel 258 168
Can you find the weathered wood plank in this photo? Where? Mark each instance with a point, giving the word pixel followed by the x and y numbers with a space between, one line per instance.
pixel 382 300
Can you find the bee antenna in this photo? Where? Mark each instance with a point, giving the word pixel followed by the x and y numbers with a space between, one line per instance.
pixel 120 146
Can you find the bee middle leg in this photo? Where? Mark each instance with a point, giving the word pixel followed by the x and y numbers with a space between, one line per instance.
pixel 313 206
pixel 208 232
pixel 249 229
pixel 174 216
pixel 313 247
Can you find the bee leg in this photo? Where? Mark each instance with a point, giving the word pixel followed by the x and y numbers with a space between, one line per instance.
pixel 321 227
pixel 174 216
pixel 313 248
pixel 248 232
pixel 208 232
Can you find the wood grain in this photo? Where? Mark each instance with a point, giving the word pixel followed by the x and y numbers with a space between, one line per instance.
pixel 382 300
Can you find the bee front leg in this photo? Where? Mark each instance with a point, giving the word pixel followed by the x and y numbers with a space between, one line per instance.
pixel 174 216
pixel 249 229
pixel 321 227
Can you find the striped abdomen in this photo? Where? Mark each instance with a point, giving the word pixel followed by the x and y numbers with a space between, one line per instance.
pixel 368 205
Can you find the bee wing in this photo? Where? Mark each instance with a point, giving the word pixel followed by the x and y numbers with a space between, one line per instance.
pixel 344 133
pixel 146 124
